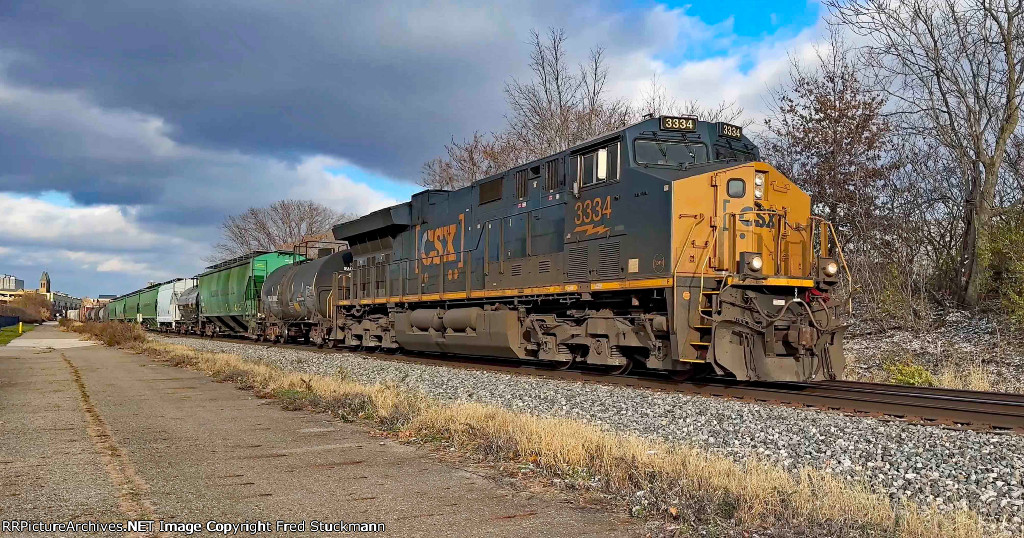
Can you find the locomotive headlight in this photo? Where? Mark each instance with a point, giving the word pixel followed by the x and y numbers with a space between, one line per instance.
pixel 758 178
pixel 830 269
pixel 758 193
pixel 755 264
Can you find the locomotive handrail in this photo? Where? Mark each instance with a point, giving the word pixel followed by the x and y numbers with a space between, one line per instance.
pixel 842 257
pixel 679 256
pixel 825 229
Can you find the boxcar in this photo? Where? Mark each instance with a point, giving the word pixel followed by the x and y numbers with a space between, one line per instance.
pixel 230 292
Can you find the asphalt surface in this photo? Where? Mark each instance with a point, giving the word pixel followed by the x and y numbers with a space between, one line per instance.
pixel 96 434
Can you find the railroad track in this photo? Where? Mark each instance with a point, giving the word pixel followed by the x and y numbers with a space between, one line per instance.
pixel 960 409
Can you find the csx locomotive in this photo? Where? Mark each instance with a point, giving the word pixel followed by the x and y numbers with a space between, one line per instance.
pixel 667 245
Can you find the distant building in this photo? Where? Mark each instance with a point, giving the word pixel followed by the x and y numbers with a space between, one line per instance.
pixel 63 302
pixel 11 283
pixel 60 302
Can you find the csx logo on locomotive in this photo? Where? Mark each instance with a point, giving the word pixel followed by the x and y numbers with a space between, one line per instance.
pixel 437 245
pixel 758 220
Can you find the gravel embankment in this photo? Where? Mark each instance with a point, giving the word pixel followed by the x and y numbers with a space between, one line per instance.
pixel 930 465
pixel 956 340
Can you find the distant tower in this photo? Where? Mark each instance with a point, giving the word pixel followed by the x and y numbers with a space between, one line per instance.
pixel 44 283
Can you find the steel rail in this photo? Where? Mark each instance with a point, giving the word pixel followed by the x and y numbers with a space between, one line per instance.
pixel 961 409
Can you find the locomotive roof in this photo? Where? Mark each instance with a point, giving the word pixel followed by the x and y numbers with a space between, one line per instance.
pixel 646 126
pixel 394 219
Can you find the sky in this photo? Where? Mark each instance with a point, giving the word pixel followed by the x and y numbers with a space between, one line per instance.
pixel 130 129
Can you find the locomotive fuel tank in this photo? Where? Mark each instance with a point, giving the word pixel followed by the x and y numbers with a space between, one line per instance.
pixel 300 292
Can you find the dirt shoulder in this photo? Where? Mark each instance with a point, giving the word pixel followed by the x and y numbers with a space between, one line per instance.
pixel 97 433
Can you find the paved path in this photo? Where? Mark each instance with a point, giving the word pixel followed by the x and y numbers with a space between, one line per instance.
pixel 92 433
pixel 48 336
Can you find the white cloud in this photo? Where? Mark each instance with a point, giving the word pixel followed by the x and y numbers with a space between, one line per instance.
pixel 113 263
pixel 30 220
pixel 335 190
pixel 744 75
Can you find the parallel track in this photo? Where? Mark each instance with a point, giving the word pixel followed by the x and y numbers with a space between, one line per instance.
pixel 961 409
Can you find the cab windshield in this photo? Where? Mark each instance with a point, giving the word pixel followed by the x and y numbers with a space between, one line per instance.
pixel 663 153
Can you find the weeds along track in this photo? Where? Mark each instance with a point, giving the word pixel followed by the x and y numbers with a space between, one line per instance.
pixel 962 409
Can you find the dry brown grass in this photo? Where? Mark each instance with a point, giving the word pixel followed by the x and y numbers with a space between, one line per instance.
pixel 964 377
pixel 695 487
pixel 112 333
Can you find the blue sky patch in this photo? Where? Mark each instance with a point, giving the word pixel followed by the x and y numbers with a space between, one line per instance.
pixel 743 23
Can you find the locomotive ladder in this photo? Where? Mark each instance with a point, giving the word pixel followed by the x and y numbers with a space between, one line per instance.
pixel 707 303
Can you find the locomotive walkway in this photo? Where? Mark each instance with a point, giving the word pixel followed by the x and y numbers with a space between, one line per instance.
pixel 96 434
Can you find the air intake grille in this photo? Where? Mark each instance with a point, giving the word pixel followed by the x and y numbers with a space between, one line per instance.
pixel 608 261
pixel 490 190
pixel 516 270
pixel 577 266
pixel 544 266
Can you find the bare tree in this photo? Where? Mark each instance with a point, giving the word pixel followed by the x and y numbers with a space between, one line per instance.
pixel 954 68
pixel 556 109
pixel 466 161
pixel 268 228
pixel 656 101
pixel 827 132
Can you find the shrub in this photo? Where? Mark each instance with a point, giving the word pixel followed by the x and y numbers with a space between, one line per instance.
pixel 31 307
pixel 999 256
pixel 907 372
pixel 113 333
pixel 24 315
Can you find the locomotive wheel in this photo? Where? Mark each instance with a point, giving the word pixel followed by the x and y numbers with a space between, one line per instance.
pixel 561 365
pixel 331 344
pixel 618 370
pixel 683 375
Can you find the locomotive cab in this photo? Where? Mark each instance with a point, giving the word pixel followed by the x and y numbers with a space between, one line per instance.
pixel 754 272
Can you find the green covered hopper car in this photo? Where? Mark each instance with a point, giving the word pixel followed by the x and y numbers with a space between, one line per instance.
pixel 230 291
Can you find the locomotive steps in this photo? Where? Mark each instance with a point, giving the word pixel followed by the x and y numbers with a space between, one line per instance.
pixel 685 487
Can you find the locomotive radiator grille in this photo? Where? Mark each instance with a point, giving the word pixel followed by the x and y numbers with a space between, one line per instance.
pixel 578 266
pixel 608 265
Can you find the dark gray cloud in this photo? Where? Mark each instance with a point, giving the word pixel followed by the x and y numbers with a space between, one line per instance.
pixel 381 86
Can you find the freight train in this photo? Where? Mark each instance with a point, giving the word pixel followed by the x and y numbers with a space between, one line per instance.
pixel 667 245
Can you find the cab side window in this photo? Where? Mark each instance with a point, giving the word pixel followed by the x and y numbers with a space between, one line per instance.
pixel 736 188
pixel 599 166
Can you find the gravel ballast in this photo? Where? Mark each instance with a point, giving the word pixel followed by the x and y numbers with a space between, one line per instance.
pixel 925 464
